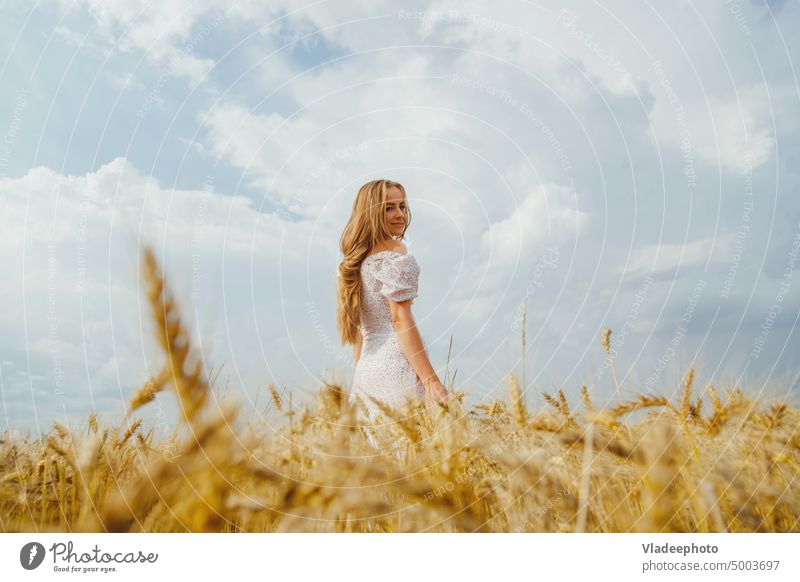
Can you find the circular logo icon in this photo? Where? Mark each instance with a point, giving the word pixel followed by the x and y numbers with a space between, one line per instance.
pixel 31 555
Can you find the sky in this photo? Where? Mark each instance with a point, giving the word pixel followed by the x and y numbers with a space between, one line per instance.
pixel 623 165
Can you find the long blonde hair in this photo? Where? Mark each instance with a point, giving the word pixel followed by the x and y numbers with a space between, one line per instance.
pixel 365 229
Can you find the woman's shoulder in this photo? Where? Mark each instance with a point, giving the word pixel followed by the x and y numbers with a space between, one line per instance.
pixel 395 249
pixel 395 246
pixel 399 247
pixel 391 263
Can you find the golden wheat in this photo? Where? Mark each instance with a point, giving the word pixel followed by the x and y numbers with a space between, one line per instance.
pixel 494 466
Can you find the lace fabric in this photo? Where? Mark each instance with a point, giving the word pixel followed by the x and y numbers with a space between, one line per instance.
pixel 383 371
pixel 398 275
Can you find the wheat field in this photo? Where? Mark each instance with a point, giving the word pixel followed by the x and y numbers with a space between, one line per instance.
pixel 731 465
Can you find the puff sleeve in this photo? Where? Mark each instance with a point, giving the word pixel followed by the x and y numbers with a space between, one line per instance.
pixel 398 276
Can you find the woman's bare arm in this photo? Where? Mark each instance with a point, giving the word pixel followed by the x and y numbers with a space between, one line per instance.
pixel 411 341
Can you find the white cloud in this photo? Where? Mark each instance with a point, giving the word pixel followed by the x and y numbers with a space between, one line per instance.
pixel 669 257
pixel 739 135
pixel 165 32
pixel 123 82
pixel 70 36
pixel 547 216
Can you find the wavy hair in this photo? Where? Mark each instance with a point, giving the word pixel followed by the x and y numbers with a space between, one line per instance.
pixel 365 229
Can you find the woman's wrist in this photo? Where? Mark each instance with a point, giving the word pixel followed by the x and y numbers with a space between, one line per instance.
pixel 432 379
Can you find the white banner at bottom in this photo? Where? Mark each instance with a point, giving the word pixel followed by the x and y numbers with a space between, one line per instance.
pixel 401 557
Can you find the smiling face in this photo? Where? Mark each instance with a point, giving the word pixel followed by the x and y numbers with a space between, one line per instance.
pixel 396 212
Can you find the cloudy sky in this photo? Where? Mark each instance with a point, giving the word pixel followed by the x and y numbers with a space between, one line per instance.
pixel 623 165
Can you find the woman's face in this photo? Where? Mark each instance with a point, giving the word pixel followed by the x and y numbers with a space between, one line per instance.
pixel 396 214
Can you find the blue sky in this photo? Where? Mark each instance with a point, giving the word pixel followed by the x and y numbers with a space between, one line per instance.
pixel 625 166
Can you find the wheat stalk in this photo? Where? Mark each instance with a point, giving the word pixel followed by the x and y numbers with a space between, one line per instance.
pixel 517 402
pixel 642 401
pixel 605 340
pixel 190 384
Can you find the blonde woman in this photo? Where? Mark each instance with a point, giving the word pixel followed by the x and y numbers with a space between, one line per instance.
pixel 378 279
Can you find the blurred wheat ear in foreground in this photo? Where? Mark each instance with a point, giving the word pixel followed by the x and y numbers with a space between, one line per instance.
pixel 498 466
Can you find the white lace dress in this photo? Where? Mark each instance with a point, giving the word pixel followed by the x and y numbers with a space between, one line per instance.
pixel 383 371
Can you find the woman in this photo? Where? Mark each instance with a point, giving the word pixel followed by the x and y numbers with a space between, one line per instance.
pixel 377 281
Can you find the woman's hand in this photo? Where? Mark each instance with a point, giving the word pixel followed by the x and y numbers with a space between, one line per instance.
pixel 435 393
